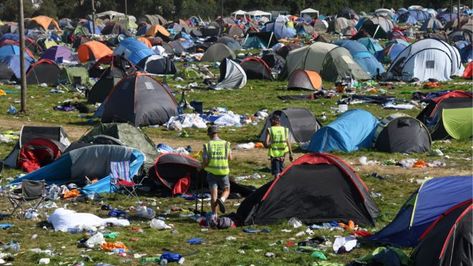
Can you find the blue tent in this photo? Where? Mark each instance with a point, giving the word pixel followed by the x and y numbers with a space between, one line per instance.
pixel 431 200
pixel 10 65
pixel 351 131
pixel 373 47
pixel 412 16
pixel 10 36
pixel 89 25
pixel 9 50
pixel 133 50
pixel 91 161
pixel 466 50
pixel 361 56
pixel 395 47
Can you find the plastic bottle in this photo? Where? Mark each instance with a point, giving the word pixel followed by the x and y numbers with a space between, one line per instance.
pixel 150 259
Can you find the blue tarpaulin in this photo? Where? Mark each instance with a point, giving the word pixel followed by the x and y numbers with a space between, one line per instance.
pixel 133 50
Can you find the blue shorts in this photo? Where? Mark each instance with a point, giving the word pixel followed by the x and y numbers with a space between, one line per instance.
pixel 218 181
pixel 277 165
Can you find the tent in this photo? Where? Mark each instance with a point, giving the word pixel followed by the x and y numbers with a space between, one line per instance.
pixel 155 19
pixel 74 75
pixel 105 84
pixel 259 40
pixel 351 131
pixel 10 67
pixel 300 122
pixel 39 152
pixel 256 68
pixel 320 25
pixel 377 27
pixel 230 42
pixel 305 79
pixel 217 52
pixel 43 71
pixel 449 241
pixel 46 23
pixel 315 188
pixel 232 76
pixel 413 16
pixel 373 47
pixel 330 61
pixel 432 25
pixel 133 50
pixel 145 41
pixel 114 28
pixel 276 63
pixel 394 47
pixel 362 57
pixel 8 50
pixel 157 31
pixel 235 31
pixel 347 13
pixel 449 115
pixel 403 134
pixel 434 197
pixel 156 64
pixel 140 100
pixel 58 54
pixel 310 12
pixel 28 133
pixel 92 51
pixel 341 25
pixel 465 49
pixel 75 166
pixel 427 58
pixel 468 73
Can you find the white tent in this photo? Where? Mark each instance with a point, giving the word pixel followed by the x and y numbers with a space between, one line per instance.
pixel 259 13
pixel 232 76
pixel 310 12
pixel 239 13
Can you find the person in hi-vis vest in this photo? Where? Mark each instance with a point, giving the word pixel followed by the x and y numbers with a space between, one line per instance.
pixel 277 141
pixel 216 155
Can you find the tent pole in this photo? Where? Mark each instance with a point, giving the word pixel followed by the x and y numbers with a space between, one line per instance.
pixel 376 31
pixel 93 17
pixel 22 56
pixel 270 38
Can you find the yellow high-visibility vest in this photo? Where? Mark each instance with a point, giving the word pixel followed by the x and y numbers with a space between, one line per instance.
pixel 217 156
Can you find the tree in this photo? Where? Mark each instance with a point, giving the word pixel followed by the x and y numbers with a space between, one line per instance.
pixel 47 8
pixel 9 9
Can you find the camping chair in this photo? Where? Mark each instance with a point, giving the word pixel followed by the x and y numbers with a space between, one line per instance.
pixel 31 193
pixel 121 179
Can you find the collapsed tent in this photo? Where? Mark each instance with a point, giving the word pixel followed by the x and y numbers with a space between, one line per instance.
pixel 39 152
pixel 449 115
pixel 256 68
pixel 315 188
pixel 362 57
pixel 305 79
pixel 434 197
pixel 232 76
pixel 156 64
pixel 330 61
pixel 177 174
pixel 140 100
pixel 76 167
pixel 133 50
pixel 449 240
pixel 217 52
pixel 44 71
pixel 29 133
pixel 92 51
pixel 300 122
pixel 351 131
pixel 402 133
pixel 425 59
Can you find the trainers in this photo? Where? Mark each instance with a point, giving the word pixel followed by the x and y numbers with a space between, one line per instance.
pixel 221 206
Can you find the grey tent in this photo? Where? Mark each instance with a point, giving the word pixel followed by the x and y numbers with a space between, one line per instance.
pixel 105 84
pixel 28 133
pixel 140 100
pixel 300 122
pixel 217 52
pixel 402 133
pixel 232 76
pixel 331 61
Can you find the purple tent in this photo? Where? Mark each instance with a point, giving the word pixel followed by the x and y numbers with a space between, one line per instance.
pixel 10 65
pixel 58 54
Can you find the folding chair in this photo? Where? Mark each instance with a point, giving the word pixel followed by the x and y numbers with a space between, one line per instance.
pixel 31 193
pixel 121 179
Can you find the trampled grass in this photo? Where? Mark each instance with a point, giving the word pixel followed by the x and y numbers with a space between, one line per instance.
pixel 247 249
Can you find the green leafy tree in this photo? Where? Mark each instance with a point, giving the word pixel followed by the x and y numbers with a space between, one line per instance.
pixel 9 10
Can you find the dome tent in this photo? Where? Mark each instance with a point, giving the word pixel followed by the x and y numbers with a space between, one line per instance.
pixel 365 59
pixel 315 188
pixel 305 79
pixel 402 133
pixel 217 52
pixel 232 76
pixel 140 100
pixel 300 122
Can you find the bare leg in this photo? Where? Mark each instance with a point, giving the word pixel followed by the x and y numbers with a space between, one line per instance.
pixel 225 193
pixel 213 200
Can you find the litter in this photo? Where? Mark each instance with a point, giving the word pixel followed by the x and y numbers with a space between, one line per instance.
pixel 270 254
pixel 145 212
pixel 5 226
pixel 69 221
pixel 44 261
pixel 230 238
pixel 95 240
pixel 344 244
pixel 171 257
pixel 294 222
pixel 195 241
pixel 246 146
pixel 116 247
pixel 364 161
pixel 159 224
pixel 318 255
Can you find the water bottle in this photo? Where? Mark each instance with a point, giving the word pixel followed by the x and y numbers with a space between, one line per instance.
pixel 150 259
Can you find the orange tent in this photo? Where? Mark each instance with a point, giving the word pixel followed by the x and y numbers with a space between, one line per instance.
pixel 157 30
pixel 45 22
pixel 145 41
pixel 92 51
pixel 305 79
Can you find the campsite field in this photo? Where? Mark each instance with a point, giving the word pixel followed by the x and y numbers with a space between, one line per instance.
pixel 246 249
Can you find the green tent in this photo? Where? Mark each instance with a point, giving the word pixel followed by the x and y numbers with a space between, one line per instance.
pixel 332 62
pixel 458 122
pixel 68 74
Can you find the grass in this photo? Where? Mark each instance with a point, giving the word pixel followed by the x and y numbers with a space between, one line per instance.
pixel 247 249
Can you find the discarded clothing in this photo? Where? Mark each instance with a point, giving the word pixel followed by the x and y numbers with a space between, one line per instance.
pixel 63 220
